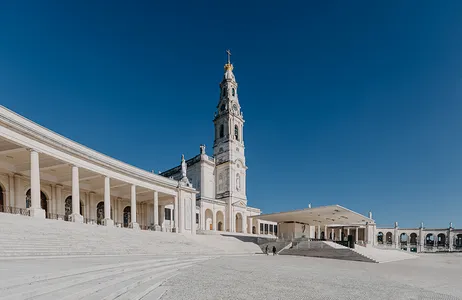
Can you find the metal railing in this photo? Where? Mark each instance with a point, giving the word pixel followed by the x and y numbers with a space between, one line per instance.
pixel 14 210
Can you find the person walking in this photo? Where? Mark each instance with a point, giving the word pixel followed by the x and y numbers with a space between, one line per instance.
pixel 266 250
pixel 274 250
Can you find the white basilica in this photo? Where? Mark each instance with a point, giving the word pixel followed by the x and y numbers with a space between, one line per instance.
pixel 221 179
pixel 45 175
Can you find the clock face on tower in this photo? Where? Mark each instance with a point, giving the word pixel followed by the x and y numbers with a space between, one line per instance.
pixel 235 107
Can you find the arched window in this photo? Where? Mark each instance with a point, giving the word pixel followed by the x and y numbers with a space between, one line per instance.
pixel 238 182
pixel 100 213
pixel 67 208
pixel 234 92
pixel 222 130
pixel 127 216
pixel 236 132
pixel 43 201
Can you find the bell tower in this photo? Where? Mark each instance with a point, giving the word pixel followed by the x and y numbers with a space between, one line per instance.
pixel 228 147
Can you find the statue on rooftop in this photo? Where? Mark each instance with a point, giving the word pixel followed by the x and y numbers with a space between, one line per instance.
pixel 183 166
pixel 202 147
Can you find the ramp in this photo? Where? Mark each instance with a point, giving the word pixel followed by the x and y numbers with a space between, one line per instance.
pixel 324 249
pixel 383 256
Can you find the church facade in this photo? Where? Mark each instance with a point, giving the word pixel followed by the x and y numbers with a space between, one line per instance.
pixel 221 179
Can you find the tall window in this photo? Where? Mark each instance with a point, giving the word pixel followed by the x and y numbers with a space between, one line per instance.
pixel 220 183
pixel 234 92
pixel 168 215
pixel 236 132
pixel 222 130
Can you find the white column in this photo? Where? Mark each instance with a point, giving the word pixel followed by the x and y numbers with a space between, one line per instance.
pixel 193 215
pixel 319 232
pixel 35 209
pixel 133 223
pixel 156 211
pixel 202 217
pixel 76 217
pixel 53 209
pixel 107 202
pixel 332 232
pixel 356 234
pixel 181 217
pixel 12 191
pixel 59 201
pixel 175 208
pixel 258 226
pixel 214 220
pixel 230 216
pixel 162 217
pixel 18 194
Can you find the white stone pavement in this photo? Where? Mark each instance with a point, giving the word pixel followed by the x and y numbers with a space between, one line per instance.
pixel 285 277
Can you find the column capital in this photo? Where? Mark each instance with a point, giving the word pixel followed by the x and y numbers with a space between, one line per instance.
pixel 32 150
pixel 91 193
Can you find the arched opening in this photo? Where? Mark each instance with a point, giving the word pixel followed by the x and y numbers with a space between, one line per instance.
pixel 403 238
pixel 100 213
pixel 430 240
pixel 67 208
pixel 222 130
pixel 239 221
pixel 458 241
pixel 322 235
pixel 441 240
pixel 254 229
pixel 208 219
pixel 220 220
pixel 413 238
pixel 389 238
pixel 380 238
pixel 127 216
pixel 236 132
pixel 43 201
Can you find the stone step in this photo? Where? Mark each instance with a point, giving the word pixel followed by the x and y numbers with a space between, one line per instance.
pixel 50 288
pixel 111 287
pixel 343 254
pixel 5 284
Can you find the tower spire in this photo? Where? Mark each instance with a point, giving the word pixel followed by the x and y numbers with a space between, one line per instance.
pixel 229 56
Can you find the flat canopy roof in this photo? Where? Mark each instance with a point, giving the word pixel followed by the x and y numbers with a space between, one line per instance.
pixel 332 215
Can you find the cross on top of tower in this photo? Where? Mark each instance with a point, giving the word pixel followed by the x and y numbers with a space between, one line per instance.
pixel 229 56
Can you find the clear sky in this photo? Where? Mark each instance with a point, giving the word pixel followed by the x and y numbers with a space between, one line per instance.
pixel 346 102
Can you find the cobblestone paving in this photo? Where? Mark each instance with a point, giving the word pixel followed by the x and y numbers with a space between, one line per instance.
pixel 435 276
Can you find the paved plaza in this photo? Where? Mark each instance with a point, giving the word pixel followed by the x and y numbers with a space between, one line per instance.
pixel 432 276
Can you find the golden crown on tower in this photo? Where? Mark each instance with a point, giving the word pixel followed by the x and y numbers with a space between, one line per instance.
pixel 228 66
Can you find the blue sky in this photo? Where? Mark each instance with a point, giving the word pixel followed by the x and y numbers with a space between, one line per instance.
pixel 357 104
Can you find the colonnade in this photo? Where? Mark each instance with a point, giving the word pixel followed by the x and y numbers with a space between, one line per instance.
pixel 35 209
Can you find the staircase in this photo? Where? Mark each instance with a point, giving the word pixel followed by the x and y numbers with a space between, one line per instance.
pixel 45 259
pixel 324 249
pixel 327 249
pixel 130 280
pixel 383 256
pixel 22 236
